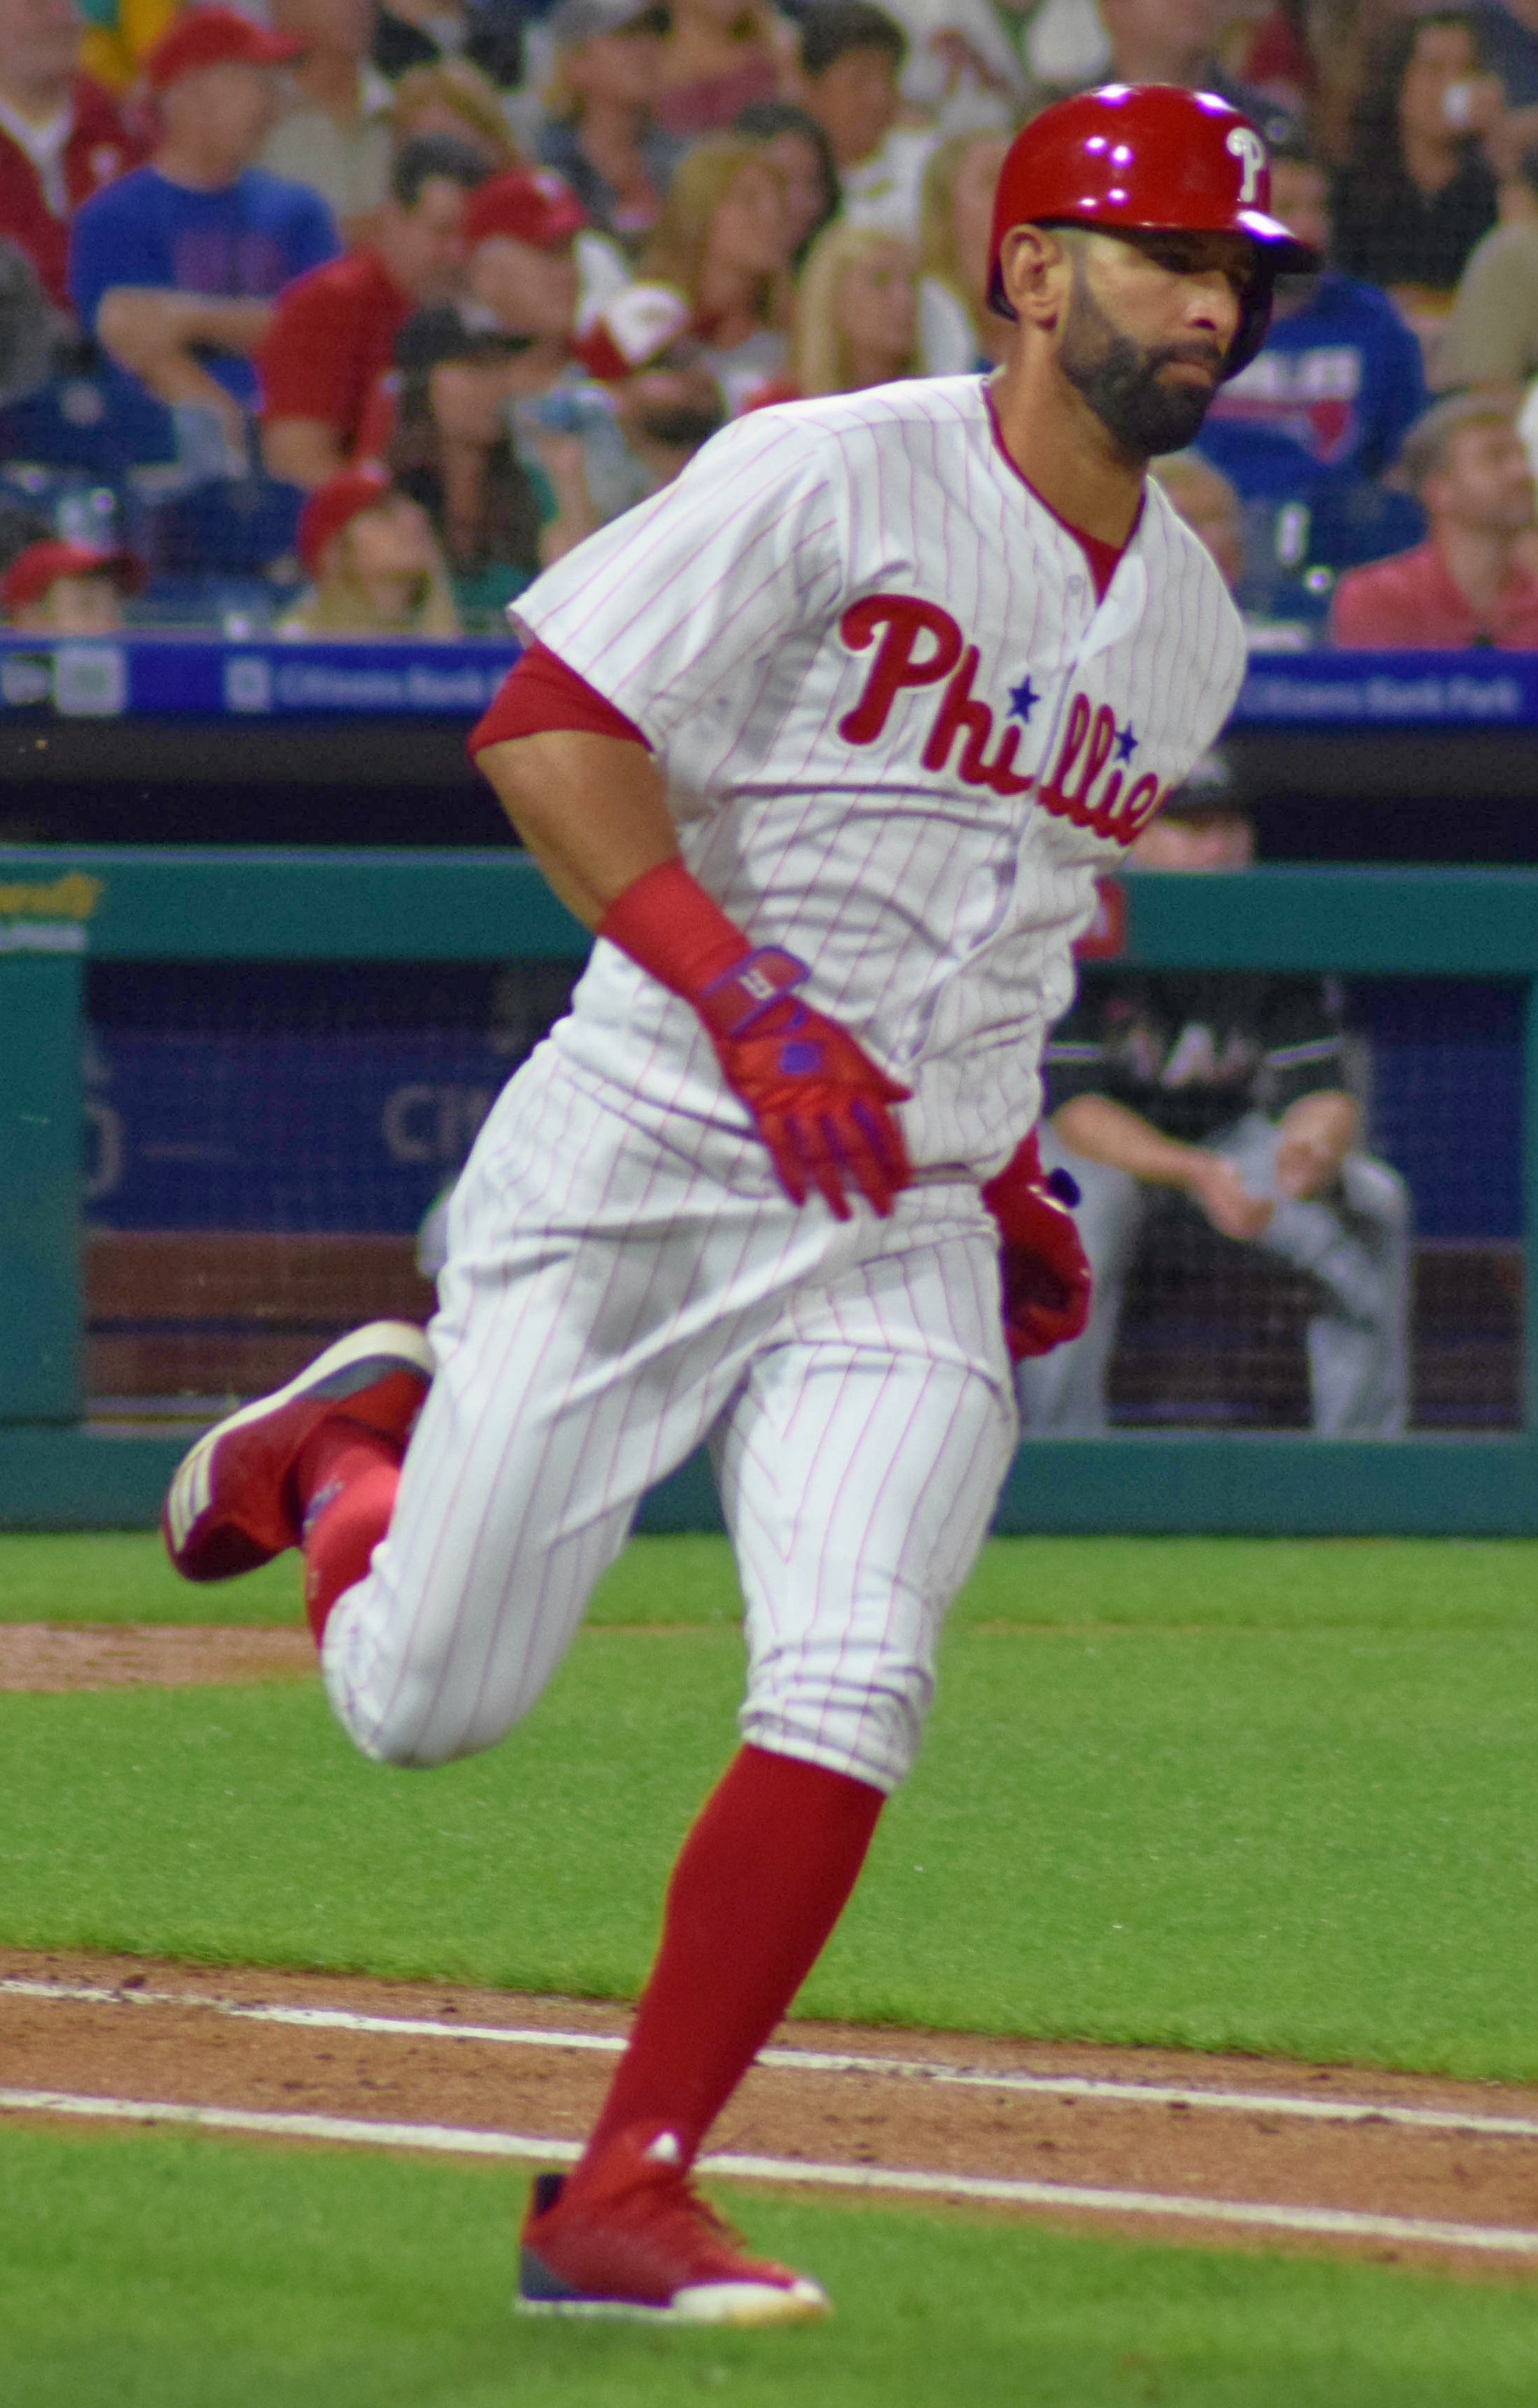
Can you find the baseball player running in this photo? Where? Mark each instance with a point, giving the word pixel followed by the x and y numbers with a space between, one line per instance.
pixel 826 742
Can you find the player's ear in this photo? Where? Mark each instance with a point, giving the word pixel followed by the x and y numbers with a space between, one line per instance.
pixel 1036 269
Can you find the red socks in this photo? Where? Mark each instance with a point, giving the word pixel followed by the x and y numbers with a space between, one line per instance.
pixel 348 1479
pixel 762 1880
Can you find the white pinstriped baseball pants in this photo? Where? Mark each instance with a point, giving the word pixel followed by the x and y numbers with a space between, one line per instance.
pixel 608 1303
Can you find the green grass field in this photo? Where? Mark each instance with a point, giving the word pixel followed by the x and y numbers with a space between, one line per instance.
pixel 161 2271
pixel 1275 1796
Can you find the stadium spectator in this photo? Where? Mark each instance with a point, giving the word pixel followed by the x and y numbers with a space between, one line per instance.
pixel 333 331
pixel 1209 505
pixel 1469 582
pixel 665 414
pixel 67 589
pixel 796 145
pixel 718 56
pixel 454 98
pixel 1222 1090
pixel 600 131
pixel 430 33
pixel 30 326
pixel 373 562
pixel 522 229
pixel 498 515
pixel 335 133
pixel 174 267
pixel 849 58
pixel 1492 335
pixel 1307 430
pixel 857 311
pixel 1174 41
pixel 61 136
pixel 957 330
pixel 723 241
pixel 1416 191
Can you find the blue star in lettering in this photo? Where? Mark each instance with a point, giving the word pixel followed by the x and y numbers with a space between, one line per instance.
pixel 1127 743
pixel 1022 700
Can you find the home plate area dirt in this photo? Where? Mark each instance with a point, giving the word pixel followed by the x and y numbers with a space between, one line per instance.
pixel 1168 2144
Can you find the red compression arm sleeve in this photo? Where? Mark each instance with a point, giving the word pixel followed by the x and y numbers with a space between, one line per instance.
pixel 541 693
pixel 666 922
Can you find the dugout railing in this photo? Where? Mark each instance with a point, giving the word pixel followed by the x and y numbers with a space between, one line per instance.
pixel 60 910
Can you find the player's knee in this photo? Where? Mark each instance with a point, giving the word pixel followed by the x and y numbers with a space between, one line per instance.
pixel 411 1704
pixel 866 1721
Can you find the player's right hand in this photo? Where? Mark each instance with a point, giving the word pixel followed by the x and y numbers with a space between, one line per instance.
pixel 820 1104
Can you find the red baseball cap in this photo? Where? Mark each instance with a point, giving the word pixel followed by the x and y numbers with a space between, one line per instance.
pixel 41 565
pixel 215 37
pixel 334 506
pixel 530 204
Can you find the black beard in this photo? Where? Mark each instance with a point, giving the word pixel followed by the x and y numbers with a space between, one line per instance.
pixel 1120 380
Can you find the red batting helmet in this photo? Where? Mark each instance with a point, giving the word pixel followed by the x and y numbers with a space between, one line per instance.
pixel 1156 158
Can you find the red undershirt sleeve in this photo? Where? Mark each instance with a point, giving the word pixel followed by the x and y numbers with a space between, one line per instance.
pixel 541 693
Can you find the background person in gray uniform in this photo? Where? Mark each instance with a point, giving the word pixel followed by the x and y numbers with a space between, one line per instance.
pixel 1224 1088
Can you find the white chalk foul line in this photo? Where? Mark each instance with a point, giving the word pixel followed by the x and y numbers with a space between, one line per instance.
pixel 1263 2215
pixel 807 2060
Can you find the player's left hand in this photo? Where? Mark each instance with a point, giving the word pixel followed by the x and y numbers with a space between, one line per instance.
pixel 1046 1276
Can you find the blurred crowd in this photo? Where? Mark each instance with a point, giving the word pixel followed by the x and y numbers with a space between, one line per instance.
pixel 343 317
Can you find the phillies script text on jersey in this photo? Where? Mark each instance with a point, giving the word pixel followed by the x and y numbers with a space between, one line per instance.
pixel 920 644
pixel 902 737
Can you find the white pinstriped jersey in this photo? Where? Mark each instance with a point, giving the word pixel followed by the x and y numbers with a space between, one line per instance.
pixel 901 737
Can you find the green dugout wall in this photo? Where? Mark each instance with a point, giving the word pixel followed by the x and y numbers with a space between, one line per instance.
pixel 58 908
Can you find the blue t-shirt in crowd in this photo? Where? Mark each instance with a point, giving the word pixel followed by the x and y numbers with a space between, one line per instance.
pixel 243 243
pixel 1332 395
pixel 1318 416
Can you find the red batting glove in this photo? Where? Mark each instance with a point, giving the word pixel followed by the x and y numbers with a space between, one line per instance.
pixel 820 1104
pixel 1047 1283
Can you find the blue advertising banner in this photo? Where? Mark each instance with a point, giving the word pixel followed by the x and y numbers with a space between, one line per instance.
pixel 332 1097
pixel 181 676
pixel 160 677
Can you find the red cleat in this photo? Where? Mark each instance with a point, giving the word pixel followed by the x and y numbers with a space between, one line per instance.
pixel 636 2240
pixel 232 1503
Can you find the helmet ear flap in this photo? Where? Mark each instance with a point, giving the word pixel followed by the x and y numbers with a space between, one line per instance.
pixel 1253 327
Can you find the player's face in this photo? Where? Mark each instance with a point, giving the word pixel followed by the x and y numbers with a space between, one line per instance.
pixel 1148 326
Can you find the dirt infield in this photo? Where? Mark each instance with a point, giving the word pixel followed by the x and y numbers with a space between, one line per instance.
pixel 1244 2130
pixel 143 1655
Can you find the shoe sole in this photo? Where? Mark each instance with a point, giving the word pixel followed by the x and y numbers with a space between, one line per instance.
pixel 353 1363
pixel 708 2303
